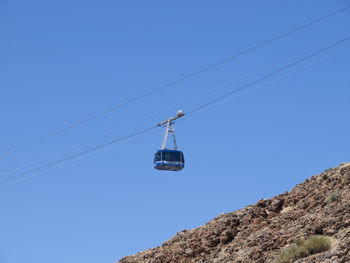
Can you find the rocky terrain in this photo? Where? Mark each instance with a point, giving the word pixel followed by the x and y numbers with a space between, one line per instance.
pixel 258 233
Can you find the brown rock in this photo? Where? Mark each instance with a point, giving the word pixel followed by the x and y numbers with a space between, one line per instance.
pixel 258 233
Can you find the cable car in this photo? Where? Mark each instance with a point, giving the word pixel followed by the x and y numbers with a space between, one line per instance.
pixel 169 159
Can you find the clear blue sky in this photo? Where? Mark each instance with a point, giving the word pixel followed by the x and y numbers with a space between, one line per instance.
pixel 62 61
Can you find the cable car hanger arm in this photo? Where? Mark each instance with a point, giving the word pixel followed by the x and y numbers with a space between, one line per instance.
pixel 179 114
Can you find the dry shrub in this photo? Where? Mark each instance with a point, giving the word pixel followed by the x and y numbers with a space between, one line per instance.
pixel 303 248
pixel 333 196
pixel 317 244
pixel 291 253
pixel 347 177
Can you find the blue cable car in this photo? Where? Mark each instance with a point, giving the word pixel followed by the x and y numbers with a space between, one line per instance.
pixel 169 159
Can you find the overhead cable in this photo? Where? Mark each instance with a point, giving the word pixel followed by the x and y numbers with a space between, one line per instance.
pixel 223 61
pixel 265 77
pixel 190 113
pixel 71 157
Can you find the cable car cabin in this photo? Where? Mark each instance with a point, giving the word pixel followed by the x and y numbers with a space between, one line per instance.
pixel 169 160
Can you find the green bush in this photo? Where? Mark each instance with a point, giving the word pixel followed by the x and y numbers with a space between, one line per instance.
pixel 303 248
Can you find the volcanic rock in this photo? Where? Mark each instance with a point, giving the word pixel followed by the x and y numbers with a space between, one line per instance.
pixel 259 232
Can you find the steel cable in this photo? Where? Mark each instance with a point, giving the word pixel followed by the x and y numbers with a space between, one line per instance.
pixel 223 61
pixel 190 113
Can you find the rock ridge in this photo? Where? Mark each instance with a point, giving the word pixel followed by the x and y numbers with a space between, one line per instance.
pixel 258 233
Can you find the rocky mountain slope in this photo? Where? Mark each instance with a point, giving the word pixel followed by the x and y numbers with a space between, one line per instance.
pixel 258 233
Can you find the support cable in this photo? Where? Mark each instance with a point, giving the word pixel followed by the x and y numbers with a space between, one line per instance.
pixel 204 69
pixel 265 77
pixel 71 157
pixel 191 113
